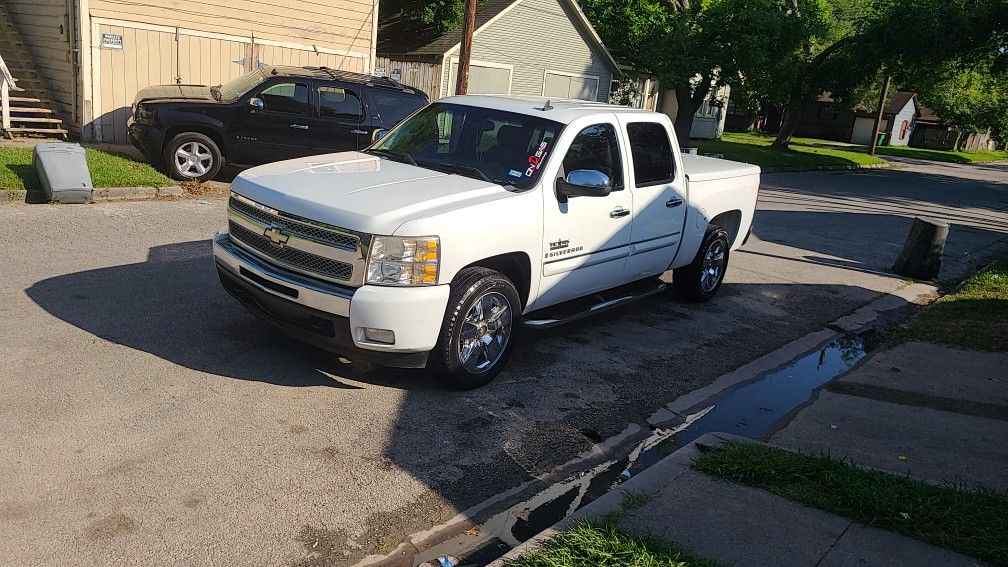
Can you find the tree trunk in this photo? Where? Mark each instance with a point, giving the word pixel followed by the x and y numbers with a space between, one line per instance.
pixel 684 116
pixel 789 123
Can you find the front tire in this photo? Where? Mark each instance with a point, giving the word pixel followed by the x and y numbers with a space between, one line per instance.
pixel 702 278
pixel 477 335
pixel 192 156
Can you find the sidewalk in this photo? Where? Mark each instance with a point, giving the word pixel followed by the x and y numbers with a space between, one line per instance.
pixel 935 413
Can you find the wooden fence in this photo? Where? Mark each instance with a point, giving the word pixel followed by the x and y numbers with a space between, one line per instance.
pixel 423 76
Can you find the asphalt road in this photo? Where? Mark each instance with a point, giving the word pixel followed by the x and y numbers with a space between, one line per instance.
pixel 147 419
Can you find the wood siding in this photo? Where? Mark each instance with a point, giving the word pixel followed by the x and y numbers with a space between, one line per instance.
pixel 38 22
pixel 534 36
pixel 338 24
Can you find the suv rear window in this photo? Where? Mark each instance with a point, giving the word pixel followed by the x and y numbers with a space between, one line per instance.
pixel 393 106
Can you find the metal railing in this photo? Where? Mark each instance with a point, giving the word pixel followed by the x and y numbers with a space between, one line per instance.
pixel 7 84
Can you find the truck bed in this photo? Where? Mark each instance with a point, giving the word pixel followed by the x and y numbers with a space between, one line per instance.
pixel 703 168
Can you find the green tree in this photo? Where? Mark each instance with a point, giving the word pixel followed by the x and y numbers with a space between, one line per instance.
pixel 440 15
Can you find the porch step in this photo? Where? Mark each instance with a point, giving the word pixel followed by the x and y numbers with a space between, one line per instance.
pixel 24 99
pixel 36 119
pixel 53 131
pixel 30 109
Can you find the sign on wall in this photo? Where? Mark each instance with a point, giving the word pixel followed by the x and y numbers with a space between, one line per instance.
pixel 111 41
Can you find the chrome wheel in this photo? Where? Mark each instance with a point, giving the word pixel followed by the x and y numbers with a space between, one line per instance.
pixel 485 333
pixel 193 159
pixel 713 266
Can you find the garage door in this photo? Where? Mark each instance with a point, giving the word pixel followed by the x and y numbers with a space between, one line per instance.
pixel 483 79
pixel 562 85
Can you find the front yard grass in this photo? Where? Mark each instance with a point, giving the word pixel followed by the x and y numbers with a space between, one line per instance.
pixel 974 317
pixel 754 148
pixel 108 169
pixel 606 545
pixel 951 156
pixel 972 522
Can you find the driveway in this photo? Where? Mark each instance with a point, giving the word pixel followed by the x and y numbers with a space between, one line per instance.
pixel 148 419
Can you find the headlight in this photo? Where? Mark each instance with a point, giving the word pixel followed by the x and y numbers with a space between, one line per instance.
pixel 404 261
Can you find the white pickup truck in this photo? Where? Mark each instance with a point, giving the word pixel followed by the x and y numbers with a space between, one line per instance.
pixel 473 217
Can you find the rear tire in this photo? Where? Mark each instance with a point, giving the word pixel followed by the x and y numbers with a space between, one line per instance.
pixel 479 327
pixel 702 278
pixel 192 156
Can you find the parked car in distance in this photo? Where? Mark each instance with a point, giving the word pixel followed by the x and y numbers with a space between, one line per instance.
pixel 272 114
pixel 473 217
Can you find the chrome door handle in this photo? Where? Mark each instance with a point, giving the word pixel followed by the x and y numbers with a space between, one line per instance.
pixel 358 131
pixel 673 202
pixel 299 126
pixel 619 212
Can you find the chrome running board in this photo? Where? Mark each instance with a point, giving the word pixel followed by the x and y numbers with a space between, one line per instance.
pixel 591 305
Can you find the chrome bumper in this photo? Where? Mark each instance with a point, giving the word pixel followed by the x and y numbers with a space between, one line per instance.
pixel 278 282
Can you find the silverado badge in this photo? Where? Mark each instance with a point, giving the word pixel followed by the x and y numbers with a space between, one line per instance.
pixel 276 235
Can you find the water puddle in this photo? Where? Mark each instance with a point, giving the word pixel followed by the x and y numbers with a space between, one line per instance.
pixel 751 410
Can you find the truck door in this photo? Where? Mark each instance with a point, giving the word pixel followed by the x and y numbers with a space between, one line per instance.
pixel 586 240
pixel 659 196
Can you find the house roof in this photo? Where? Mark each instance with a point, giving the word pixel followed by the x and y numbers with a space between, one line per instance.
pixel 898 101
pixel 397 36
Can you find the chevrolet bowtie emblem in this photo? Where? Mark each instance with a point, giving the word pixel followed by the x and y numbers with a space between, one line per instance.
pixel 276 235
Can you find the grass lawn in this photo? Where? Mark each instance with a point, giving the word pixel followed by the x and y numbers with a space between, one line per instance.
pixel 107 170
pixel 606 545
pixel 972 522
pixel 753 147
pixel 944 155
pixel 974 317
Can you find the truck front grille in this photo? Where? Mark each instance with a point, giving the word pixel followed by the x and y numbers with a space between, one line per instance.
pixel 297 227
pixel 290 257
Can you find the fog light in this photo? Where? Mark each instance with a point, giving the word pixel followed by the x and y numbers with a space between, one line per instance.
pixel 384 336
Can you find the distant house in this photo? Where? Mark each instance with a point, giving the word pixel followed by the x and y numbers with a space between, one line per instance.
pixel 898 120
pixel 932 132
pixel 528 47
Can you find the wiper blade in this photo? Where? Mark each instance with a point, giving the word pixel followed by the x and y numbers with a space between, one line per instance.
pixel 397 156
pixel 456 168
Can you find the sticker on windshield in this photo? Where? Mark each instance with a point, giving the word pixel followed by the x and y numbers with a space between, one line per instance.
pixel 514 173
pixel 536 160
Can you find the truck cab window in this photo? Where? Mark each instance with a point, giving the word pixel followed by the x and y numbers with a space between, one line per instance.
pixel 651 151
pixel 341 104
pixel 291 98
pixel 392 106
pixel 596 147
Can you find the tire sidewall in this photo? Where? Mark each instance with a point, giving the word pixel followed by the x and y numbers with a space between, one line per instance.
pixel 470 288
pixel 687 280
pixel 185 138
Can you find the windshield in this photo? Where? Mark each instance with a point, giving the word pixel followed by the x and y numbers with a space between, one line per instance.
pixel 503 147
pixel 237 87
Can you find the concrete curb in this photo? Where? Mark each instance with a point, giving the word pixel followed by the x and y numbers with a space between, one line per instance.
pixel 786 169
pixel 106 194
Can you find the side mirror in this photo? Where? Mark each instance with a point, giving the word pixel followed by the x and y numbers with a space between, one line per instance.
pixel 583 183
pixel 256 103
pixel 378 134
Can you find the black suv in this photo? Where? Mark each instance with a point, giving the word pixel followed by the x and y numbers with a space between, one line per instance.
pixel 263 116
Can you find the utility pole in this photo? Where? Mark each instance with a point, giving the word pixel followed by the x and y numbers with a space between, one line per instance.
pixel 878 115
pixel 465 53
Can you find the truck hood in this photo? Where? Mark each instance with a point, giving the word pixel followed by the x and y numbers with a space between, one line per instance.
pixel 359 191
pixel 175 93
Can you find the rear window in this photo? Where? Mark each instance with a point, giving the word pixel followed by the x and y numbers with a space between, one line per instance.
pixel 651 150
pixel 393 106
